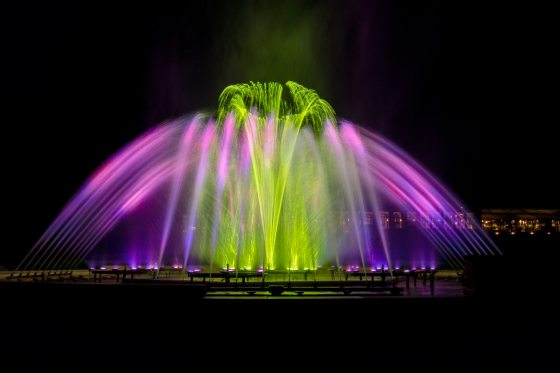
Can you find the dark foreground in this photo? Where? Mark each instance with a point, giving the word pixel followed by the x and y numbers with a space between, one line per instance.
pixel 69 327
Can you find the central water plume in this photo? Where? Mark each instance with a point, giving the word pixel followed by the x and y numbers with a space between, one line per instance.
pixel 266 189
pixel 273 182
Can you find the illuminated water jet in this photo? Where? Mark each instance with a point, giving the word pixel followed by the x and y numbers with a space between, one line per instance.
pixel 274 182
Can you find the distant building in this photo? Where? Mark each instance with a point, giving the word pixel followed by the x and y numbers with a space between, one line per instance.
pixel 521 221
pixel 494 221
pixel 399 219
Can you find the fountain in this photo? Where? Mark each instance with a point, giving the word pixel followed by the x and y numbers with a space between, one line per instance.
pixel 272 182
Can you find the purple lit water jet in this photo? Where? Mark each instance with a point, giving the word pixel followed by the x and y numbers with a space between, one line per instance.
pixel 250 191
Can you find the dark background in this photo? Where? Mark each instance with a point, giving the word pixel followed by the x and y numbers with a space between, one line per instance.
pixel 464 87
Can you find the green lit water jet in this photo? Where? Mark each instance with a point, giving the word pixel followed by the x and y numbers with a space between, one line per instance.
pixel 263 101
pixel 284 207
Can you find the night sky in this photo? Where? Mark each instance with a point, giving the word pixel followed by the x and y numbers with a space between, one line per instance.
pixel 465 88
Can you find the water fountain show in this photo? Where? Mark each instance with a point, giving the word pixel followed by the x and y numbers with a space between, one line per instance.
pixel 272 182
pixel 304 185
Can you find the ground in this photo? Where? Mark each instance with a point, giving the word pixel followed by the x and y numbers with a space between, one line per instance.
pixel 103 326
